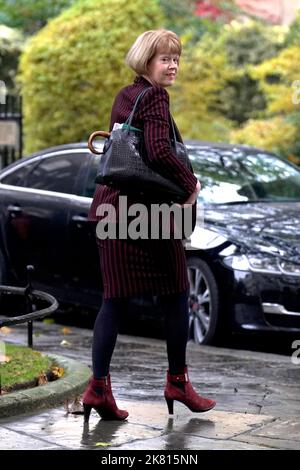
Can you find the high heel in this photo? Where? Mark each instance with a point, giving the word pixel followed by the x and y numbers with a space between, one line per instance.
pixel 86 412
pixel 170 404
pixel 98 395
pixel 179 387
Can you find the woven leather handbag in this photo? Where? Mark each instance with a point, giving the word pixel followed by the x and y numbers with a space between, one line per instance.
pixel 124 165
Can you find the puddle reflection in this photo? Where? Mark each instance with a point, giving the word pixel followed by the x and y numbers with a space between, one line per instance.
pixel 103 435
pixel 177 436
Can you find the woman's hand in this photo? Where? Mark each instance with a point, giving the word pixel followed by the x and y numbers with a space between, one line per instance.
pixel 193 197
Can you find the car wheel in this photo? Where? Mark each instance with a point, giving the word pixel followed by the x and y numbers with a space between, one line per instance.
pixel 203 302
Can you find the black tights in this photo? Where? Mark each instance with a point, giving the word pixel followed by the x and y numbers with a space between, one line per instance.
pixel 175 308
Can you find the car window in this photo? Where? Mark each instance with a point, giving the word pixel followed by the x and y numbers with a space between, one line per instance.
pixel 18 176
pixel 90 184
pixel 56 173
pixel 228 176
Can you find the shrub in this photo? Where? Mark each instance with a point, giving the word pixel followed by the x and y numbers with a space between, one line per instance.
pixel 251 42
pixel 245 45
pixel 30 15
pixel 279 80
pixel 215 83
pixel 196 94
pixel 275 134
pixel 293 35
pixel 277 77
pixel 72 69
pixel 11 44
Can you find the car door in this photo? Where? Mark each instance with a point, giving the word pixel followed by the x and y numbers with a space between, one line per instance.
pixel 83 258
pixel 36 208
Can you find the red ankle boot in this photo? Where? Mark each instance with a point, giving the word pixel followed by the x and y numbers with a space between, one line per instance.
pixel 185 393
pixel 98 395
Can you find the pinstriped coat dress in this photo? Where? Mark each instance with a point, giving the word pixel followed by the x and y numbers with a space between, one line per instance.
pixel 135 267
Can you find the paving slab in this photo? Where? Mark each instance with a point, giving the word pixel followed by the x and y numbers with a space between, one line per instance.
pixel 257 394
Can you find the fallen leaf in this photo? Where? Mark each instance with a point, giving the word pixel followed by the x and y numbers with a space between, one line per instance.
pixel 57 371
pixel 102 444
pixel 66 331
pixel 65 343
pixel 5 330
pixel 42 379
pixel 75 406
pixel 4 358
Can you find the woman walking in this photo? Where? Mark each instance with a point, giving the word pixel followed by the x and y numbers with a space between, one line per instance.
pixel 135 267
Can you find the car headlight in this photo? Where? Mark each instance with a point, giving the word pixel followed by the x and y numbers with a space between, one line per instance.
pixel 238 262
pixel 261 264
pixel 290 268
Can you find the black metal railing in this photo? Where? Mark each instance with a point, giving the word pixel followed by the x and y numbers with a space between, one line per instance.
pixel 11 110
pixel 8 155
pixel 31 297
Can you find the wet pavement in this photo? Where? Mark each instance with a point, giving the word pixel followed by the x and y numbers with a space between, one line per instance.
pixel 257 394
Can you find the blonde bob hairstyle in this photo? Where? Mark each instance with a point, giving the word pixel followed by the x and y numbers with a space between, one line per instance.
pixel 148 44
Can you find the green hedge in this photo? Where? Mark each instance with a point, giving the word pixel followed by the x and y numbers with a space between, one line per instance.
pixel 72 69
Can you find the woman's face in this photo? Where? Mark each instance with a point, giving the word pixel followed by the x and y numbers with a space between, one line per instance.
pixel 162 69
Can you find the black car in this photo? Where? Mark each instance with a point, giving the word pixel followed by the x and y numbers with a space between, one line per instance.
pixel 243 257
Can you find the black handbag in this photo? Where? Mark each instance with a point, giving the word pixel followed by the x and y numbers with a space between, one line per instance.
pixel 124 165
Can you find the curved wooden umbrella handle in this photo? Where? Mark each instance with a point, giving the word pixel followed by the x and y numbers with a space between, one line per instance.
pixel 103 134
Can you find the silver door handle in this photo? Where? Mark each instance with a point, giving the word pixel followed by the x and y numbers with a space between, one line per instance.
pixel 14 209
pixel 79 218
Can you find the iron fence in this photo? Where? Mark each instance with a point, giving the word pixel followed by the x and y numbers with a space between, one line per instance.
pixel 11 130
pixel 31 297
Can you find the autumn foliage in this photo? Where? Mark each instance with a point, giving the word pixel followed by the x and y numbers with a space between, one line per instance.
pixel 237 80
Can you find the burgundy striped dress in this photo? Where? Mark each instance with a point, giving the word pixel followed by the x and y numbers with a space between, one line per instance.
pixel 135 267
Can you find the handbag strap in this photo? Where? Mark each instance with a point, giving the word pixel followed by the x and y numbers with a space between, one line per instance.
pixel 138 100
pixel 128 121
pixel 174 133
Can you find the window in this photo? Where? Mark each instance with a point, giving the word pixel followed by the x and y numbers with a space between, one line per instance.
pixel 56 173
pixel 234 176
pixel 91 185
pixel 18 176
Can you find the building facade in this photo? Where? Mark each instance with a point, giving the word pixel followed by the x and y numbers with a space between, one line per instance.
pixel 274 11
